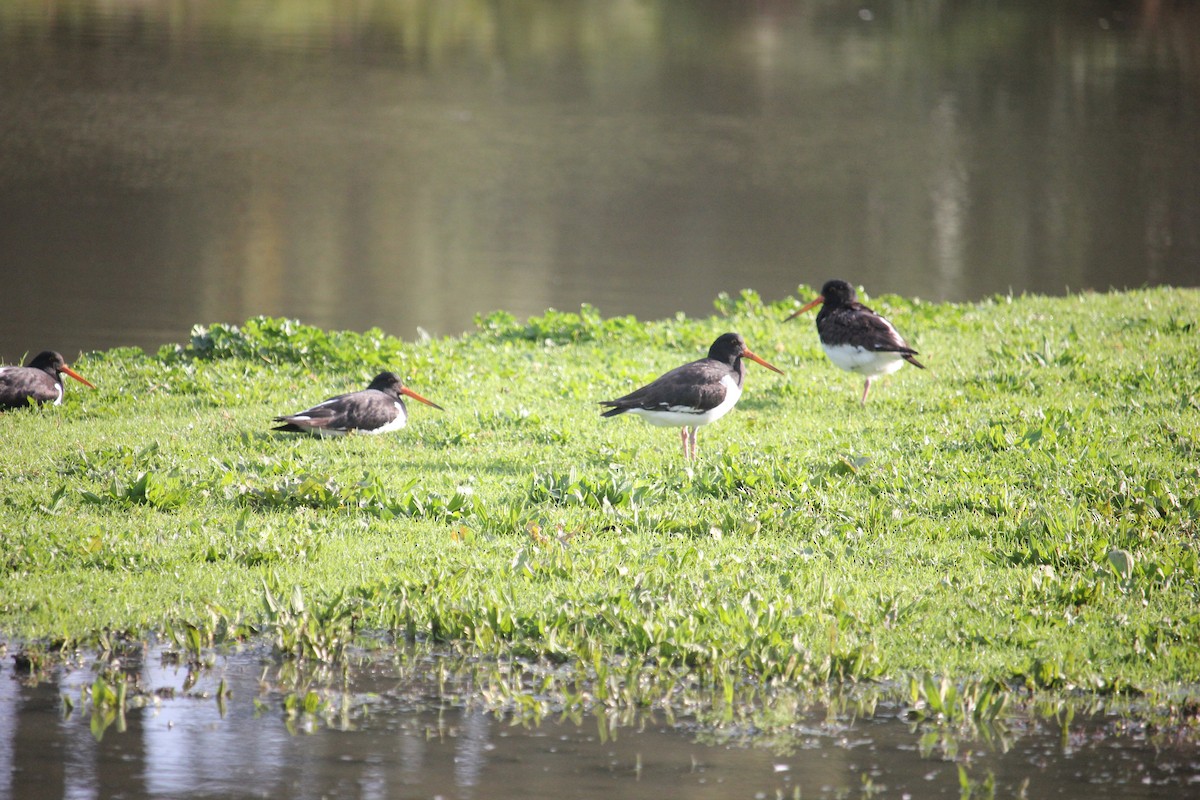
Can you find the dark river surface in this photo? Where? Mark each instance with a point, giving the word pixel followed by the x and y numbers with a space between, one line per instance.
pixel 390 734
pixel 410 165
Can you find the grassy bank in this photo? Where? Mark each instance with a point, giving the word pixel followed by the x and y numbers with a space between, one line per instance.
pixel 1025 511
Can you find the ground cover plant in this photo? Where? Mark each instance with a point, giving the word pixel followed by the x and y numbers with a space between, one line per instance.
pixel 1020 516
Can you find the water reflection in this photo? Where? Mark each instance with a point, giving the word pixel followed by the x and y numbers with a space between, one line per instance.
pixel 410 165
pixel 948 194
pixel 390 734
pixel 10 709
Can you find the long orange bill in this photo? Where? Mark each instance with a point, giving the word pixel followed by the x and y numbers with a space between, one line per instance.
pixel 78 377
pixel 758 360
pixel 415 396
pixel 820 299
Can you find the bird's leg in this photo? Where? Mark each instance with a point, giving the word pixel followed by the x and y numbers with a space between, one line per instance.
pixel 866 388
pixel 692 439
pixel 683 439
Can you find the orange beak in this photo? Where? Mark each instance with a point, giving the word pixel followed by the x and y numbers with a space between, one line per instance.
pixel 78 377
pixel 407 391
pixel 820 299
pixel 758 360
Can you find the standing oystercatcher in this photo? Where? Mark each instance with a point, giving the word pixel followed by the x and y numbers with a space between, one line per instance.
pixel 694 394
pixel 376 409
pixel 40 381
pixel 855 337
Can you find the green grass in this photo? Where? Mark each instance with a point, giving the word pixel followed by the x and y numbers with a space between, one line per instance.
pixel 1024 513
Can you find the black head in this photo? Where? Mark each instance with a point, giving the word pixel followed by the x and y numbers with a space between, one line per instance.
pixel 838 293
pixel 389 383
pixel 834 294
pixel 54 364
pixel 729 347
pixel 47 360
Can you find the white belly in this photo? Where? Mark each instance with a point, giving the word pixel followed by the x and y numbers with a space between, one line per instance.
pixel 870 363
pixel 399 422
pixel 681 417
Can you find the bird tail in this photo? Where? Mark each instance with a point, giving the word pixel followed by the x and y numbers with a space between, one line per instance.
pixel 614 410
pixel 909 358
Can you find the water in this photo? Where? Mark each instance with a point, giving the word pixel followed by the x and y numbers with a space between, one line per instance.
pixel 411 165
pixel 392 730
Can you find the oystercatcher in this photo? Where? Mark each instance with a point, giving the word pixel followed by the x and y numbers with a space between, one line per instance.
pixel 855 337
pixel 377 409
pixel 39 381
pixel 694 394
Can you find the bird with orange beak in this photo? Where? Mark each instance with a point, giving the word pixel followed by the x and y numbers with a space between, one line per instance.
pixel 38 382
pixel 377 409
pixel 695 394
pixel 855 337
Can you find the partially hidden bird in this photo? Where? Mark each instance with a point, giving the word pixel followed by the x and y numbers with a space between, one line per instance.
pixel 855 337
pixel 377 409
pixel 695 394
pixel 39 381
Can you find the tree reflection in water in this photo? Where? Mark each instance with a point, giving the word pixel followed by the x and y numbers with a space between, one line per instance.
pixel 411 165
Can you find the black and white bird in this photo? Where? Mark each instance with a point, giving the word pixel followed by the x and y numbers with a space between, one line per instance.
pixel 39 381
pixel 855 337
pixel 694 394
pixel 377 409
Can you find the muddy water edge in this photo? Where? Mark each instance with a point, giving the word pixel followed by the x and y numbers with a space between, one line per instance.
pixel 410 721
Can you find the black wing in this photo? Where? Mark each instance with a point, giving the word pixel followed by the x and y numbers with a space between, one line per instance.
pixel 694 387
pixel 18 385
pixel 366 410
pixel 859 326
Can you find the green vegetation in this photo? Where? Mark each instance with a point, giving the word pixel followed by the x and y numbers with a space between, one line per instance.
pixel 1023 514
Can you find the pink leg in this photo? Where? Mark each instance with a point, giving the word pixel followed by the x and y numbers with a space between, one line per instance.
pixel 683 439
pixel 695 448
pixel 866 388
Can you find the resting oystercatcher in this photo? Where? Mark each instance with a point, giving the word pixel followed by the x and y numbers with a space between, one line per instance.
pixel 855 337
pixel 377 409
pixel 40 381
pixel 694 394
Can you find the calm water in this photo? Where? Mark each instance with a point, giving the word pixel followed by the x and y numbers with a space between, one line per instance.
pixel 410 165
pixel 394 737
